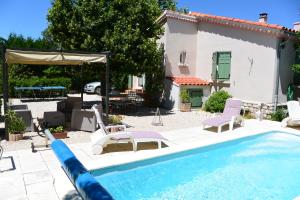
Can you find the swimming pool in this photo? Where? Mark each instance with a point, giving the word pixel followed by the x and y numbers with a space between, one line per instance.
pixel 259 167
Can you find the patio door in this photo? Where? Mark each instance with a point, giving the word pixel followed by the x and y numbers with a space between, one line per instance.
pixel 196 97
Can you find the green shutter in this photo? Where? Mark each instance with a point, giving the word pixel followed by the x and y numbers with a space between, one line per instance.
pixel 224 61
pixel 214 66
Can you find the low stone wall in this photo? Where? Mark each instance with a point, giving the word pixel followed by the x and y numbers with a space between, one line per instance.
pixel 265 109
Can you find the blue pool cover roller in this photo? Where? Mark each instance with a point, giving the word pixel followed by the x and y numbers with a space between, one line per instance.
pixel 85 183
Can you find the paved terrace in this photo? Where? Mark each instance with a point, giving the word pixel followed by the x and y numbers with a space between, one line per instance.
pixel 27 175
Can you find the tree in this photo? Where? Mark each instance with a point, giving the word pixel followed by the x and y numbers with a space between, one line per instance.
pixel 126 28
pixel 171 5
pixel 167 4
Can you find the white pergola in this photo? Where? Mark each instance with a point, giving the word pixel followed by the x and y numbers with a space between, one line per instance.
pixel 51 57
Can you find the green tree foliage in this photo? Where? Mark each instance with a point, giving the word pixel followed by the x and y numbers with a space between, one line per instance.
pixel 216 101
pixel 126 28
pixel 171 5
pixel 167 4
pixel 18 71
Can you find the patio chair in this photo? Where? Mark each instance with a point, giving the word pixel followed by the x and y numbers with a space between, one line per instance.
pixel 294 114
pixel 101 138
pixel 229 116
pixel 23 112
pixel 66 106
pixel 83 120
pixel 53 119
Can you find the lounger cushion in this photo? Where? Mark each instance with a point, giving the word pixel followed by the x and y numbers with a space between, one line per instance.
pixel 216 121
pixel 147 134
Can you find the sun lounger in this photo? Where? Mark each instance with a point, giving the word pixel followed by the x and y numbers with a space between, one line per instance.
pixel 230 114
pixel 294 114
pixel 101 138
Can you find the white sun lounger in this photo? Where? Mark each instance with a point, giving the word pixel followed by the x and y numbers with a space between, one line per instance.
pixel 294 114
pixel 101 138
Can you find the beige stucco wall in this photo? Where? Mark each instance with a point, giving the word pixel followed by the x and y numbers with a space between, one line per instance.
pixel 179 36
pixel 252 62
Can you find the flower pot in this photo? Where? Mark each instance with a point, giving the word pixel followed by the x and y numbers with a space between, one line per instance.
pixel 15 136
pixel 60 135
pixel 185 107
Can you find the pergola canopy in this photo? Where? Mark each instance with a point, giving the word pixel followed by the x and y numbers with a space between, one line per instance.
pixel 41 57
pixel 52 57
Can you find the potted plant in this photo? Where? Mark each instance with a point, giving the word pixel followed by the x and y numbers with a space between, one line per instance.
pixel 185 105
pixel 16 126
pixel 59 132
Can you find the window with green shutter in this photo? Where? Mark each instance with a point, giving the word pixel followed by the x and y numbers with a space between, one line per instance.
pixel 221 65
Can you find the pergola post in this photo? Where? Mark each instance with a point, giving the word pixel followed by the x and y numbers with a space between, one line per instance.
pixel 5 88
pixel 107 86
pixel 81 85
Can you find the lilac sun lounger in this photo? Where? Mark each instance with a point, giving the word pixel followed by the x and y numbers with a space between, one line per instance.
pixel 231 112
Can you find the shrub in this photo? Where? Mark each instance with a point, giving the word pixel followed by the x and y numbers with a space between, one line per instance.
pixel 184 96
pixel 115 119
pixel 58 129
pixel 279 115
pixel 248 115
pixel 216 101
pixel 15 123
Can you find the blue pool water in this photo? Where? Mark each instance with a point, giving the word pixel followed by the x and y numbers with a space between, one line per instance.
pixel 260 167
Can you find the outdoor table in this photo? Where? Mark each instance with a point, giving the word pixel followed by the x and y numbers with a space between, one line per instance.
pixel 40 89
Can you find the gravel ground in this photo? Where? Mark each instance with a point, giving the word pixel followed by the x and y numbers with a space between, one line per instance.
pixel 137 118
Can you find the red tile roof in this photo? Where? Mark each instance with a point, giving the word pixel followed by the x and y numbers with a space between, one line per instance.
pixel 188 80
pixel 262 24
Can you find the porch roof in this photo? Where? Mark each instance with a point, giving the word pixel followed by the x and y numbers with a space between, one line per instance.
pixel 188 80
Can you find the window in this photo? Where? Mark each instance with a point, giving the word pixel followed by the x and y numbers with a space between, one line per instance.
pixel 182 58
pixel 221 65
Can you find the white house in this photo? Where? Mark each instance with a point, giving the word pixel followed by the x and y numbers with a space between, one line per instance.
pixel 205 53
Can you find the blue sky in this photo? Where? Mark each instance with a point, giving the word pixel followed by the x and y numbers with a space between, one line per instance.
pixel 28 17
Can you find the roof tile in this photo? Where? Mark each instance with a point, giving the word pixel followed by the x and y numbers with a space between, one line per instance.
pixel 188 80
pixel 262 24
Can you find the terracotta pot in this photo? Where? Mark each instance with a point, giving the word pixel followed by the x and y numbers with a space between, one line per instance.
pixel 185 107
pixel 15 136
pixel 60 135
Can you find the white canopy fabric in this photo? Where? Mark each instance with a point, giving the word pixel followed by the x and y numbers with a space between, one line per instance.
pixel 51 57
